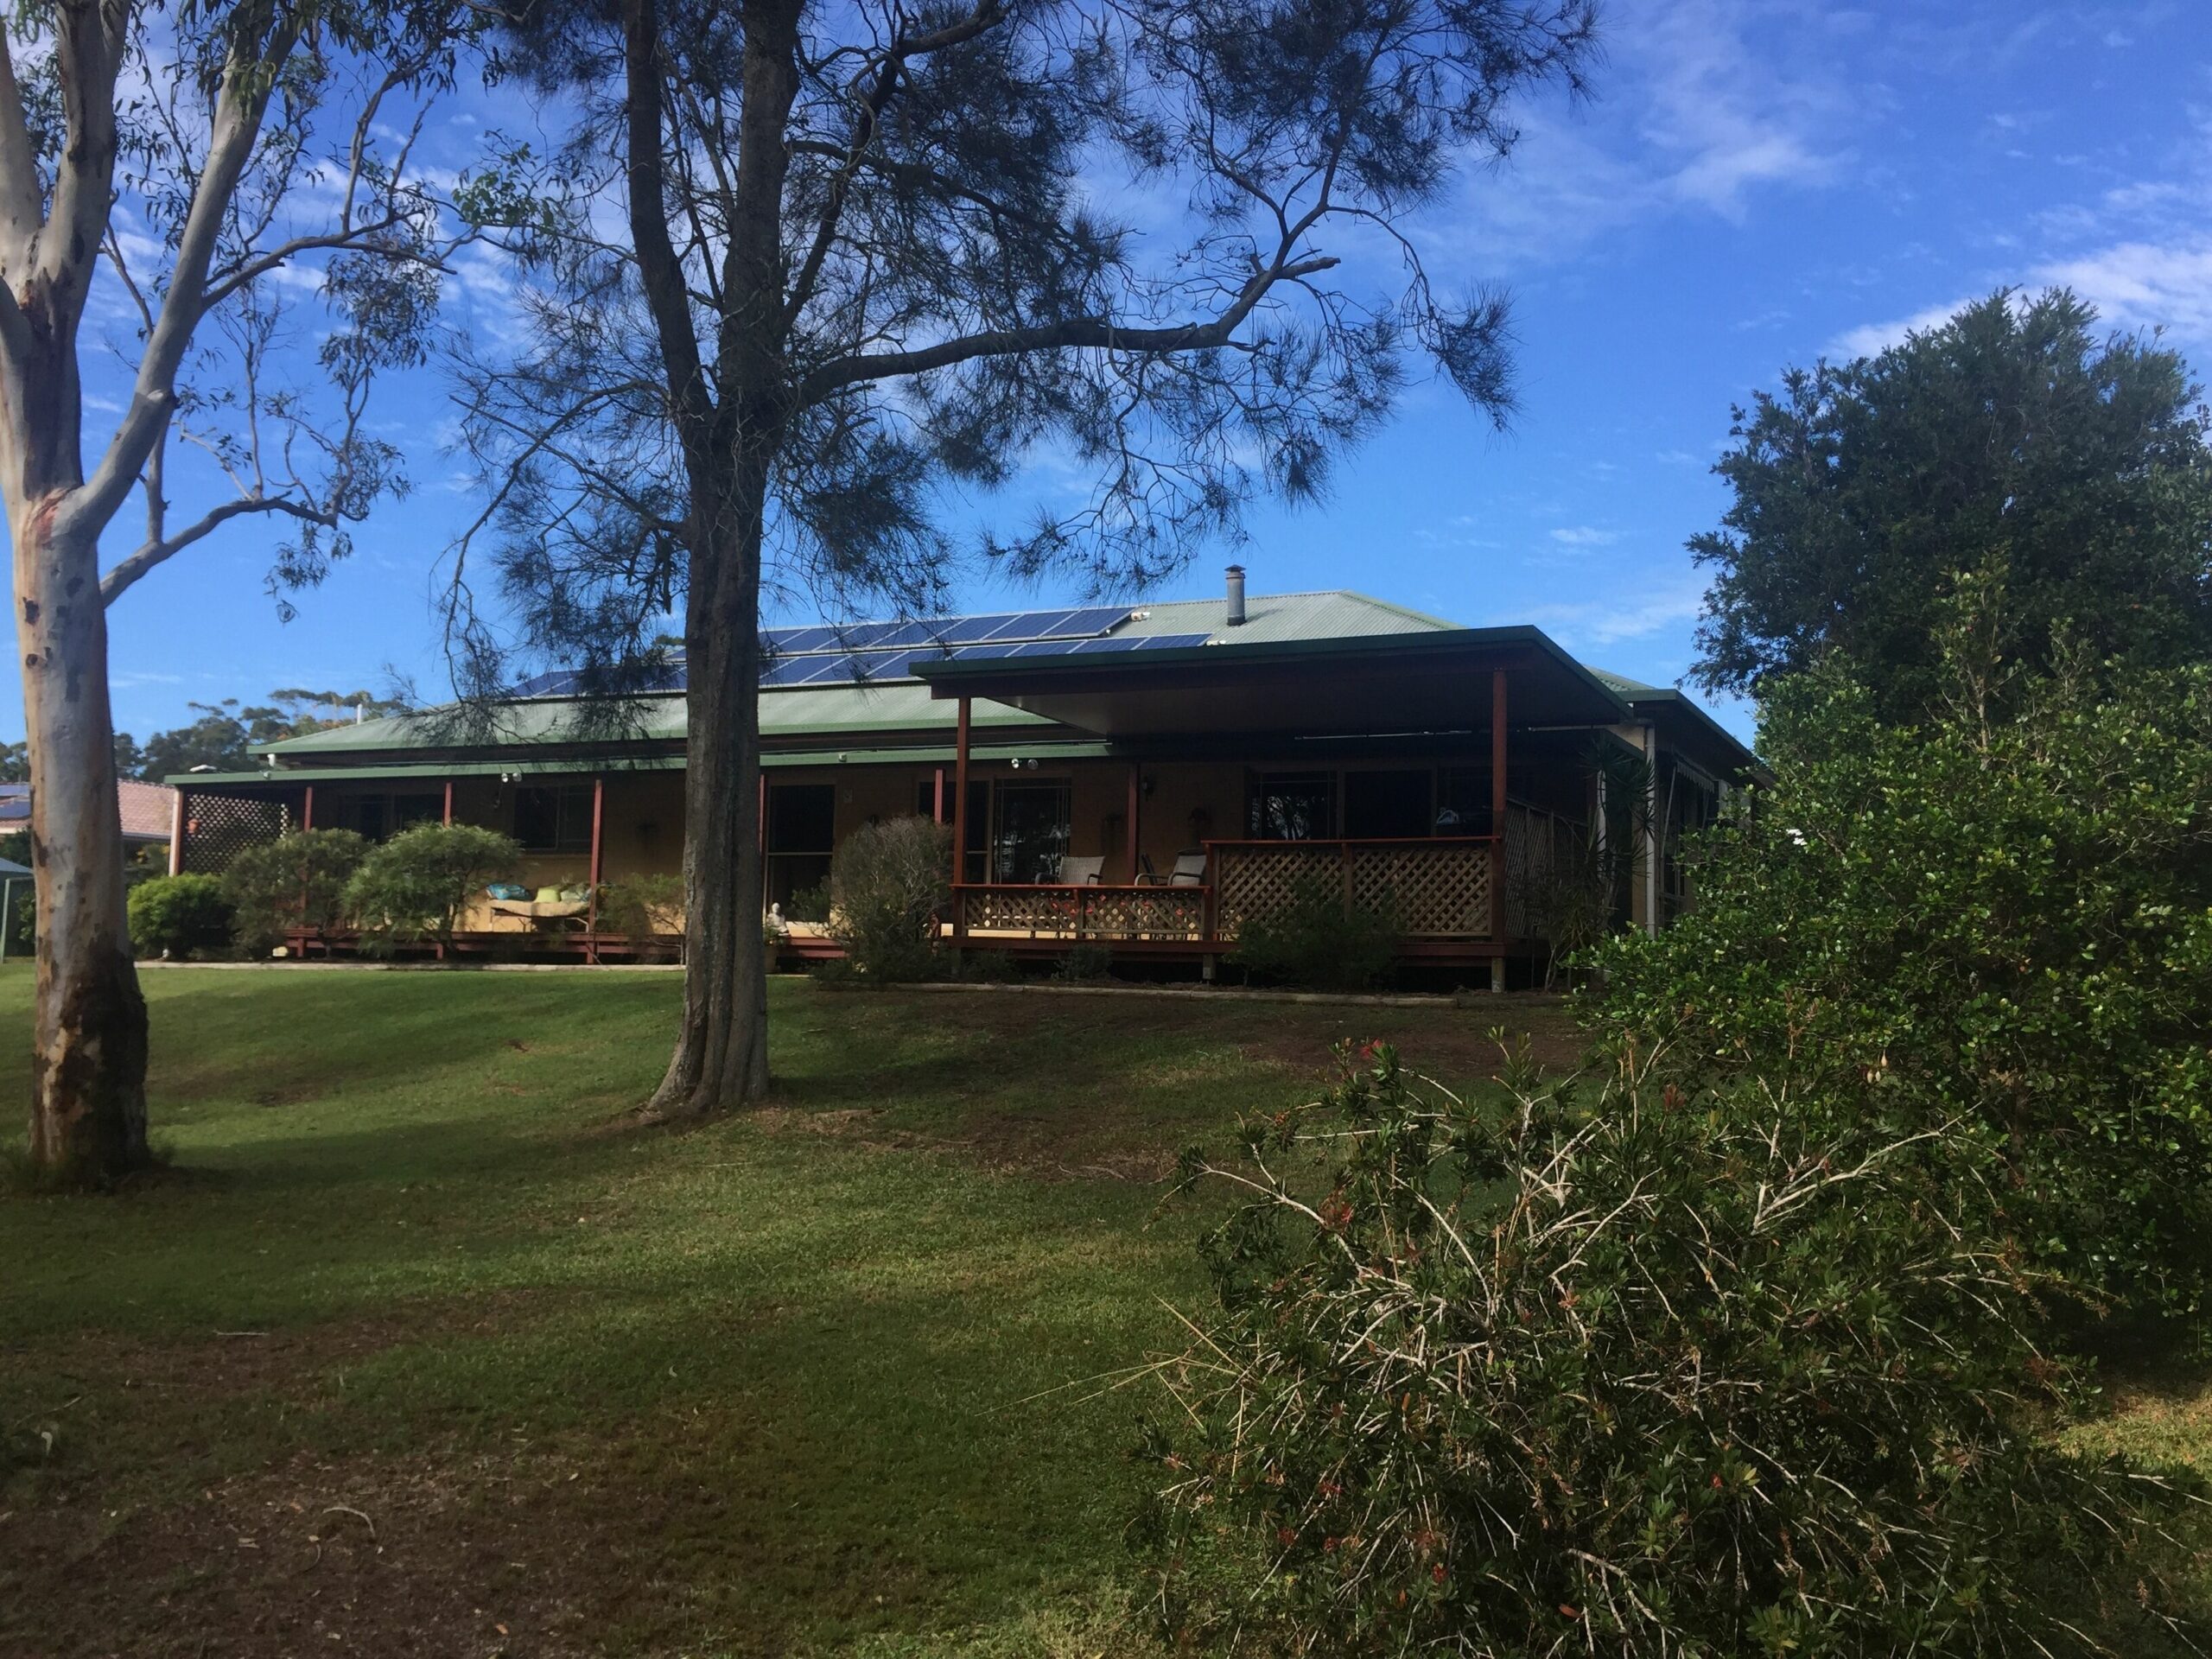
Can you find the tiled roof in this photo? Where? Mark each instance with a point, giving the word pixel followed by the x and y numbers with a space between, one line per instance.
pixel 146 809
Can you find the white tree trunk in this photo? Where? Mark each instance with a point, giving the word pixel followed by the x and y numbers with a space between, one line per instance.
pixel 88 1077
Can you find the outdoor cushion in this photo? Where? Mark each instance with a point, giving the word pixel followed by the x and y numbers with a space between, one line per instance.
pixel 548 895
pixel 506 890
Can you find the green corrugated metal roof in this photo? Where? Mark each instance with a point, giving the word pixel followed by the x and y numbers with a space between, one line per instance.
pixel 831 711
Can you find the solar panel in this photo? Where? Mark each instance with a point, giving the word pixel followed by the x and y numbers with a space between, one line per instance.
pixel 1097 618
pixel 1141 642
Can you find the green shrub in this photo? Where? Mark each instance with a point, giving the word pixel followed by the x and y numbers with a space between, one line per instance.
pixel 1087 960
pixel 1666 1376
pixel 415 886
pixel 988 967
pixel 297 880
pixel 810 905
pixel 1319 940
pixel 177 915
pixel 2007 918
pixel 643 908
pixel 889 883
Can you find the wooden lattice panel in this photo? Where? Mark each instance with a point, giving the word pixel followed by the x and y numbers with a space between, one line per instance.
pixel 1437 889
pixel 1436 892
pixel 218 828
pixel 1535 844
pixel 1253 880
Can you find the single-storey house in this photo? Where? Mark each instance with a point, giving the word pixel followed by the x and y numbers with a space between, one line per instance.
pixel 1148 777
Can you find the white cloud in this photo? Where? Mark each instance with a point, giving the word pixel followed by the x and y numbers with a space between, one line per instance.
pixel 1584 535
pixel 1633 614
pixel 2145 284
pixel 1703 104
pixel 1869 339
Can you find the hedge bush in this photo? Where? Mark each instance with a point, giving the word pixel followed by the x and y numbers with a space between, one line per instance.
pixel 2005 918
pixel 297 880
pixel 177 916
pixel 890 882
pixel 416 886
pixel 1670 1375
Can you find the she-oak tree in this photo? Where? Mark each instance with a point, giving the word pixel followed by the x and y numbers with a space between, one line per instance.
pixel 196 149
pixel 873 253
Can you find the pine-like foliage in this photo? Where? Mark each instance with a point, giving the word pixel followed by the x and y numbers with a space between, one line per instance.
pixel 1655 1376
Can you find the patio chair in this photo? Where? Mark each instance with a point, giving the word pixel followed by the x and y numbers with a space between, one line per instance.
pixel 1190 870
pixel 1081 872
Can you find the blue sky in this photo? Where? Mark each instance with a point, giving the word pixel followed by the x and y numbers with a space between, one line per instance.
pixel 1755 184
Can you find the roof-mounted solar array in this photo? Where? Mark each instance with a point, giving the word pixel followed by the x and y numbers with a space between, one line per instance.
pixel 867 653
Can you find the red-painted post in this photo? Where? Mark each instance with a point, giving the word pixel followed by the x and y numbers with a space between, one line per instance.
pixel 960 824
pixel 597 865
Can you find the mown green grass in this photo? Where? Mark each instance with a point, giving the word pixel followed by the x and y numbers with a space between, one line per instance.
pixel 823 1376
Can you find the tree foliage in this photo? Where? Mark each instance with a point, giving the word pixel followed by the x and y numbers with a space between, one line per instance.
pixel 2012 441
pixel 223 738
pixel 2002 914
pixel 1657 1374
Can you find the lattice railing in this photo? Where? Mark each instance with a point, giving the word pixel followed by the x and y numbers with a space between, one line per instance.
pixel 218 828
pixel 1437 887
pixel 1051 912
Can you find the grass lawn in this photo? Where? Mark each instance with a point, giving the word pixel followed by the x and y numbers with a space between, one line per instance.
pixel 420 1350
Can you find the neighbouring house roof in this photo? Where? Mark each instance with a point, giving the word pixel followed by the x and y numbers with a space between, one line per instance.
pixel 10 870
pixel 800 722
pixel 147 810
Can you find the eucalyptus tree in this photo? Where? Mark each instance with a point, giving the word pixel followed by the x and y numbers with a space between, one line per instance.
pixel 868 256
pixel 171 179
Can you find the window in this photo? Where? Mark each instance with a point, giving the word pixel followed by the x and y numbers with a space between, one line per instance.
pixel 1029 836
pixel 554 820
pixel 379 818
pixel 1292 806
pixel 801 831
pixel 1394 805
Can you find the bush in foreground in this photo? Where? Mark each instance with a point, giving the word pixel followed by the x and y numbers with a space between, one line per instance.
pixel 890 882
pixel 297 880
pixel 415 885
pixel 2003 914
pixel 178 915
pixel 1659 1379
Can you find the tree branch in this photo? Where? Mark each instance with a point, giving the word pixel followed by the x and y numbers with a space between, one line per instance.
pixel 152 553
pixel 658 269
pixel 1082 333
pixel 240 104
pixel 20 205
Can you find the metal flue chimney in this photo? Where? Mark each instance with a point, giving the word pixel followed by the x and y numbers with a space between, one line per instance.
pixel 1235 574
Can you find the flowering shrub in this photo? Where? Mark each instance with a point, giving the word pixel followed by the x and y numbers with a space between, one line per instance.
pixel 1663 1378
